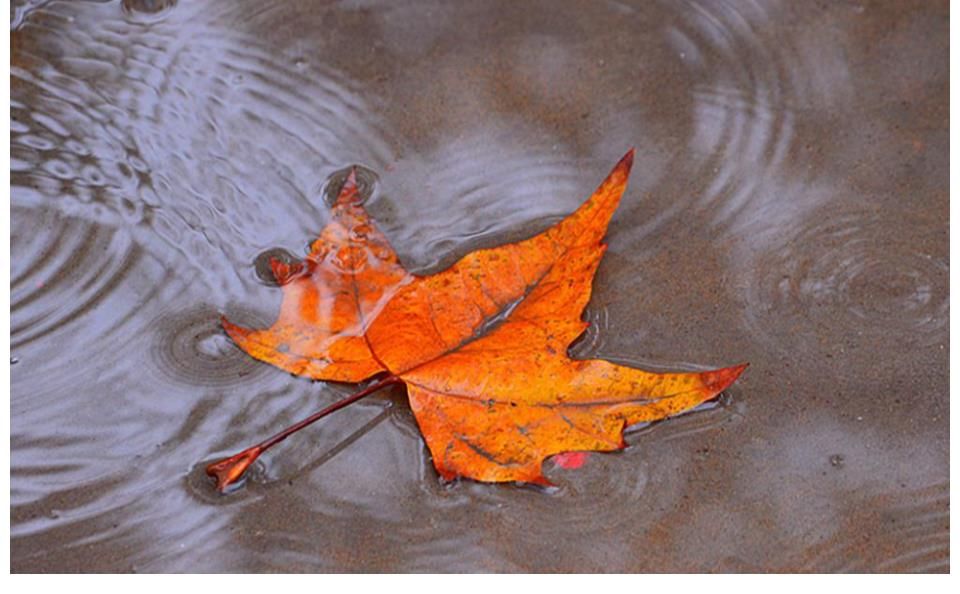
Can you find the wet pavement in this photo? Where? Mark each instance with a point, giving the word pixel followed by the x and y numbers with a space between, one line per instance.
pixel 788 207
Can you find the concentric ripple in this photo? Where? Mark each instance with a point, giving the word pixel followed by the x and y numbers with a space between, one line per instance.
pixel 788 202
pixel 190 347
pixel 480 192
pixel 154 156
pixel 64 285
pixel 848 280
pixel 116 138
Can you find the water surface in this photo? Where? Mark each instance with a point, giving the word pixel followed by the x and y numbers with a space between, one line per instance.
pixel 788 207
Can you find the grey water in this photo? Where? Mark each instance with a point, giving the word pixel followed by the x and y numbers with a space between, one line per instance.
pixel 788 206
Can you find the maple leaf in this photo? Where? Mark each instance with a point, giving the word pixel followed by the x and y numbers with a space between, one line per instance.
pixel 481 346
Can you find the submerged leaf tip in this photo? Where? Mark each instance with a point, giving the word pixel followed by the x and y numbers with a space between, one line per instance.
pixel 349 191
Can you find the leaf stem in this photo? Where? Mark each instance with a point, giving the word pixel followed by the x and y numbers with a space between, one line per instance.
pixel 229 470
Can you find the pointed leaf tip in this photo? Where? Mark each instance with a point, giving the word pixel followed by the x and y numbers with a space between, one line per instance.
pixel 233 331
pixel 720 379
pixel 626 162
pixel 621 171
pixel 283 272
pixel 349 191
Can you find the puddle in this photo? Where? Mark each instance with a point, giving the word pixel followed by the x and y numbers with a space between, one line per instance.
pixel 787 207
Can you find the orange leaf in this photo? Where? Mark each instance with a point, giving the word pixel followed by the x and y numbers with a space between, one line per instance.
pixel 481 346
